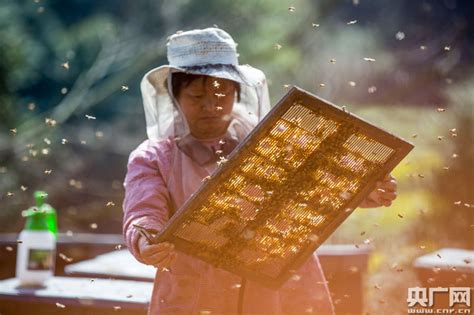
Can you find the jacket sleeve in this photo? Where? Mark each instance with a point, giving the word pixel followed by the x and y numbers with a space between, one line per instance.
pixel 146 196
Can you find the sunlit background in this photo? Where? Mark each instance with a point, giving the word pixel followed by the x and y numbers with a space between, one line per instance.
pixel 70 106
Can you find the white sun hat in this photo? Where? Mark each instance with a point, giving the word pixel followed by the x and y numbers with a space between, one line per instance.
pixel 210 52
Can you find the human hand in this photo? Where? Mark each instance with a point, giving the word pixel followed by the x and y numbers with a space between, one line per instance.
pixel 384 193
pixel 160 255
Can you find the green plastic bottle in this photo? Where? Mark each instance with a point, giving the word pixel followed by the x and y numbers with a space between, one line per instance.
pixel 50 212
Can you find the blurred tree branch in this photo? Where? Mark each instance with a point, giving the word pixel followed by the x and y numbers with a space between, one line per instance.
pixel 96 84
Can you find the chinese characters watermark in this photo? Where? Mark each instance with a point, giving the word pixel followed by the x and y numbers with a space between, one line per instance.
pixel 424 298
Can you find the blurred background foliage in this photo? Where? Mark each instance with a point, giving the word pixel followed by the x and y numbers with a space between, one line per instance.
pixel 70 106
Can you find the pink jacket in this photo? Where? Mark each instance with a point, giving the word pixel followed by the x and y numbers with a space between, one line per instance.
pixel 159 175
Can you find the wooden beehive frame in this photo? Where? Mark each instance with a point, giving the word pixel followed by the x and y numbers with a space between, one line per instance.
pixel 238 235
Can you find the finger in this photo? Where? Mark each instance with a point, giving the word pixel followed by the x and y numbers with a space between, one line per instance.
pixel 389 195
pixel 379 199
pixel 155 260
pixel 159 256
pixel 156 255
pixel 372 203
pixel 386 186
pixel 386 203
pixel 389 185
pixel 149 252
pixel 379 187
pixel 384 196
pixel 152 259
pixel 388 198
pixel 376 195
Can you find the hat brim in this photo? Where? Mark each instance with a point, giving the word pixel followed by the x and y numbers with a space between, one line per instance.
pixel 240 74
